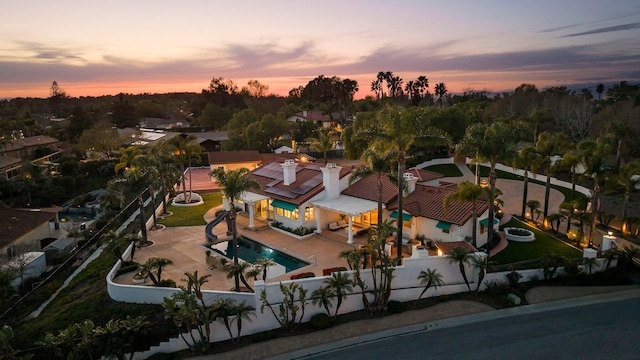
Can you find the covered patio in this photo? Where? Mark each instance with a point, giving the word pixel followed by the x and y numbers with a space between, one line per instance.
pixel 348 206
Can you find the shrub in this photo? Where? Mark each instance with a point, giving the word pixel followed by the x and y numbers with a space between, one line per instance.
pixel 396 307
pixel 263 336
pixel 495 288
pixel 320 321
pixel 513 278
pixel 327 272
pixel 303 275
pixel 167 283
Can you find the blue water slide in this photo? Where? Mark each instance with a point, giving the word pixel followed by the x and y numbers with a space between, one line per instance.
pixel 208 230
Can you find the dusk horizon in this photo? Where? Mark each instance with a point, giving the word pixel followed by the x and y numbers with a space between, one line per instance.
pixel 158 48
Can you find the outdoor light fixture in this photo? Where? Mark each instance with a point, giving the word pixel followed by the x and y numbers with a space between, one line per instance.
pixel 610 233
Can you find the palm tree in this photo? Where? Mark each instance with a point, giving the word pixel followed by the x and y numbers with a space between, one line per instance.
pixel 533 206
pixel 237 271
pixel 430 278
pixel 114 242
pixel 157 264
pixel 322 143
pixel 629 177
pixel 490 143
pixel 233 184
pixel 590 263
pixel 462 256
pixel 468 192
pixel 627 255
pixel 570 161
pixel 375 163
pixel 187 150
pixel 401 128
pixel 609 255
pixel 482 264
pixel 592 153
pixel 441 92
pixel 556 219
pixel 525 161
pixel 161 154
pixel 341 284
pixel 322 296
pixel 548 145
pixel 600 90
pixel 264 264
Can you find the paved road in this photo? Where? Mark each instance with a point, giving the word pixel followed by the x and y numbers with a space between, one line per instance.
pixel 601 330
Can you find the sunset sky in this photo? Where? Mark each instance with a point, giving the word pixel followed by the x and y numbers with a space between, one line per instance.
pixel 107 47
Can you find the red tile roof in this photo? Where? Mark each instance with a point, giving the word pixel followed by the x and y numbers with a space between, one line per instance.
pixel 231 157
pixel 367 188
pixel 308 182
pixel 428 202
pixel 16 223
pixel 446 247
pixel 424 175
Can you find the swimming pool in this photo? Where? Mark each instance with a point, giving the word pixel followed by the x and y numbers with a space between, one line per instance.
pixel 251 250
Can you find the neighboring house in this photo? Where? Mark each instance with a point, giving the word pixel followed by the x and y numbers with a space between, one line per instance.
pixel 283 149
pixel 161 123
pixel 23 229
pixel 210 140
pixel 232 160
pixel 316 116
pixel 42 150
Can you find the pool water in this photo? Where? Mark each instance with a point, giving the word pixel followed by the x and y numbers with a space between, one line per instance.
pixel 251 250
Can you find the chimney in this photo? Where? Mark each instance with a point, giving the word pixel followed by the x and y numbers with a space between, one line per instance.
pixel 331 180
pixel 411 181
pixel 289 168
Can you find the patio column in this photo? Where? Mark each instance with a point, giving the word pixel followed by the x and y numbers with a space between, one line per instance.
pixel 350 232
pixel 252 211
pixel 316 214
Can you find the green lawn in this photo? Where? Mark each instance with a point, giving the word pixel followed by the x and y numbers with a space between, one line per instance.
pixel 448 170
pixel 191 215
pixel 544 244
pixel 484 172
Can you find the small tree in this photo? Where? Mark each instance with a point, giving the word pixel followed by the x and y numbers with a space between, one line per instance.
pixel 481 263
pixel 590 263
pixel 533 206
pixel 293 302
pixel 341 285
pixel 430 278
pixel 239 270
pixel 462 256
pixel 323 296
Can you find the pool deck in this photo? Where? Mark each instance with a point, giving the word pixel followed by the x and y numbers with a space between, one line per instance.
pixel 186 247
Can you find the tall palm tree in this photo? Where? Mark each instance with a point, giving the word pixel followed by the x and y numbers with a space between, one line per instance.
pixel 233 184
pixel 468 192
pixel 161 154
pixel 375 163
pixel 187 150
pixel 400 128
pixel 462 256
pixel 430 278
pixel 570 161
pixel 525 161
pixel 592 153
pixel 548 145
pixel 629 176
pixel 441 92
pixel 490 143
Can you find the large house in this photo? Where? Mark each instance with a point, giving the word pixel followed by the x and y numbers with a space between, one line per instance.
pixel 320 197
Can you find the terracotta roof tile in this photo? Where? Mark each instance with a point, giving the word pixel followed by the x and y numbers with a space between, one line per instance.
pixel 446 247
pixel 428 201
pixel 230 157
pixel 424 175
pixel 367 188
